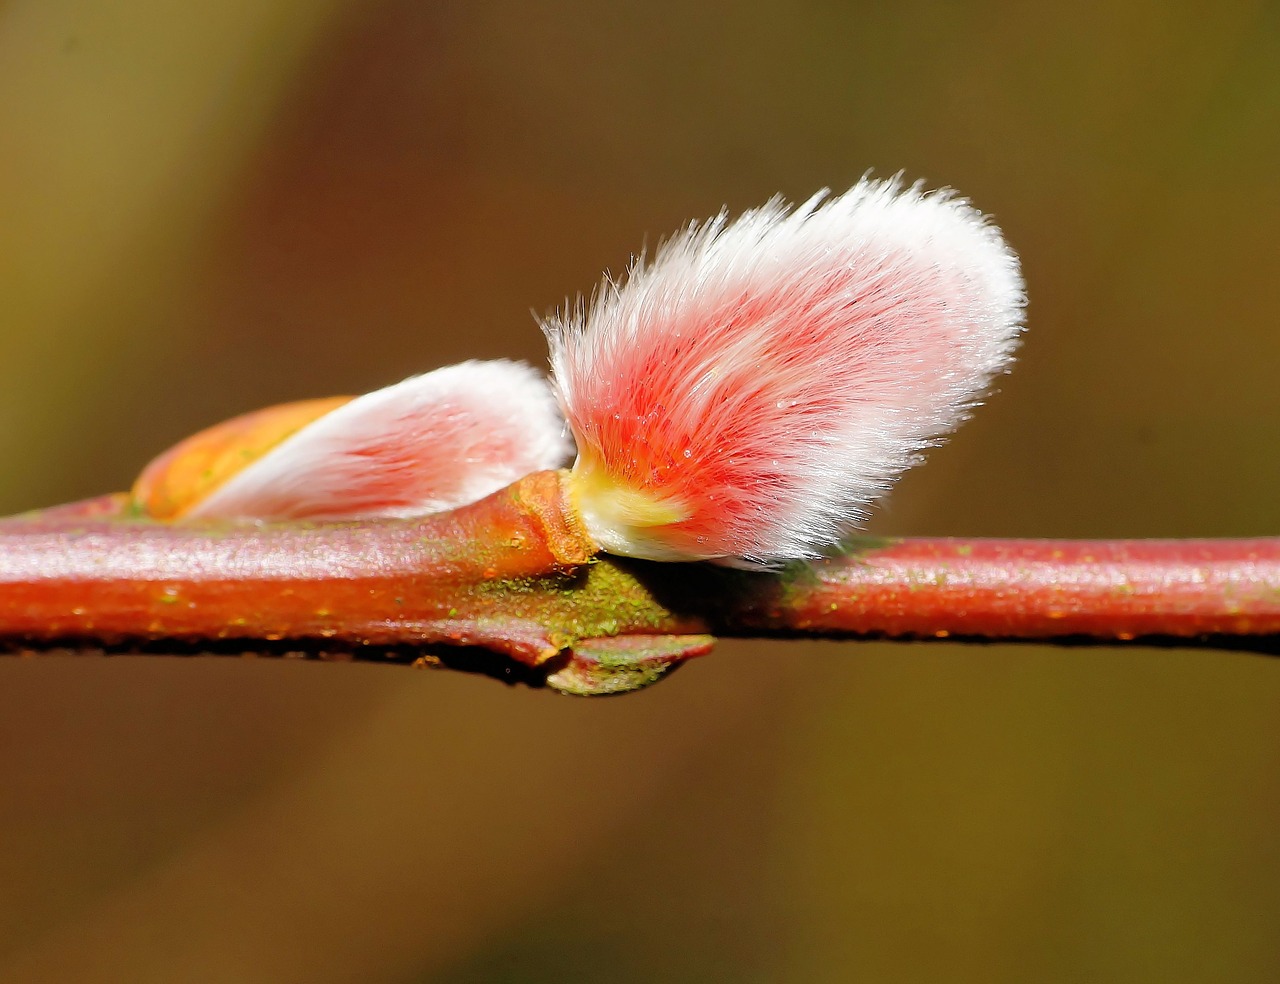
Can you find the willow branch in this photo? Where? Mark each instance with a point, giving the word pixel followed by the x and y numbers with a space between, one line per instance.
pixel 515 575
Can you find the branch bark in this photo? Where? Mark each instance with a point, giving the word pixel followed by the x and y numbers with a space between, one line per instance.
pixel 515 575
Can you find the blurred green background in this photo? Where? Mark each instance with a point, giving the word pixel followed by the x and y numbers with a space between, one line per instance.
pixel 209 208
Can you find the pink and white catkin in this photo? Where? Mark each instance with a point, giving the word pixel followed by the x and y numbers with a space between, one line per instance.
pixel 750 391
pixel 430 443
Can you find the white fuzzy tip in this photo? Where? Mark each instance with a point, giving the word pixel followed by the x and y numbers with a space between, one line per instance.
pixel 748 393
pixel 431 443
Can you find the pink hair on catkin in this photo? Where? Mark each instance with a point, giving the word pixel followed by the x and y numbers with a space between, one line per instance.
pixel 748 393
pixel 430 443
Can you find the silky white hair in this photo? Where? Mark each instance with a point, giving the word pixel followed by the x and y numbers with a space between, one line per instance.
pixel 750 390
pixel 430 443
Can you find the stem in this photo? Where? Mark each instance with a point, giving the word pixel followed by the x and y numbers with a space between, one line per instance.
pixel 515 574
pixel 1101 591
pixel 68 574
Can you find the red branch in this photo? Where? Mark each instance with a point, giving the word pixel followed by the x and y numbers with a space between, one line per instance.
pixel 1097 590
pixel 514 574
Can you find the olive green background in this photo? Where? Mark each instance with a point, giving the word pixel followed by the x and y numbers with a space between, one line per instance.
pixel 209 208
